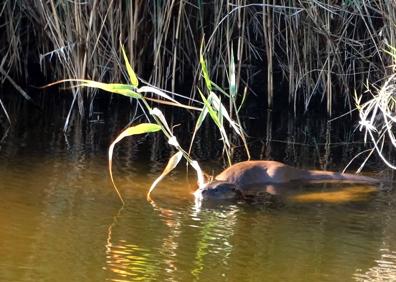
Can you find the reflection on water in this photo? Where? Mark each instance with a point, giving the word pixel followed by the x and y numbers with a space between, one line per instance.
pixel 384 269
pixel 341 195
pixel 61 221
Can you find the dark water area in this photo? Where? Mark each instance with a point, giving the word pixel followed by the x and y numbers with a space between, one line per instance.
pixel 60 219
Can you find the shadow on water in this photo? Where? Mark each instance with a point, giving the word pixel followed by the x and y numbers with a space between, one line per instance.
pixel 61 220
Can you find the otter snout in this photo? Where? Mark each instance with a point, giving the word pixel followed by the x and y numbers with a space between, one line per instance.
pixel 218 190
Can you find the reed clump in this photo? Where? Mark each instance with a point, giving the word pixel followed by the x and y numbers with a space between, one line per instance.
pixel 319 48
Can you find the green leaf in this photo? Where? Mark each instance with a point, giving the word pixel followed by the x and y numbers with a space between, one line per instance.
pixel 133 130
pixel 219 107
pixel 204 69
pixel 209 108
pixel 131 73
pixel 172 163
pixel 117 88
pixel 216 116
pixel 233 87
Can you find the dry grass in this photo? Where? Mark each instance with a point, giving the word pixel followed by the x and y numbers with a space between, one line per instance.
pixel 322 48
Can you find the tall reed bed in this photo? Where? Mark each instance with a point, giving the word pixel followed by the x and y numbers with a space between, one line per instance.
pixel 320 48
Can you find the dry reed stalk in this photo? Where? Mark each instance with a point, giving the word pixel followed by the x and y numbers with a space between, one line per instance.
pixel 322 48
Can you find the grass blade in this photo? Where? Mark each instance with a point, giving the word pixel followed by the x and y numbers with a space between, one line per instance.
pixel 157 113
pixel 158 92
pixel 117 88
pixel 200 176
pixel 172 163
pixel 133 130
pixel 204 69
pixel 233 87
pixel 131 73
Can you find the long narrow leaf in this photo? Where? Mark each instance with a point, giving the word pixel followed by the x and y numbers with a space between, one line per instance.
pixel 133 130
pixel 233 87
pixel 117 88
pixel 200 176
pixel 158 92
pixel 215 117
pixel 172 163
pixel 131 73
pixel 208 106
pixel 220 108
pixel 205 72
pixel 157 112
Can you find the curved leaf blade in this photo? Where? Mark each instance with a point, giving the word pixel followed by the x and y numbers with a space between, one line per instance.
pixel 133 130
pixel 132 75
pixel 205 72
pixel 200 176
pixel 172 163
pixel 117 88
pixel 158 92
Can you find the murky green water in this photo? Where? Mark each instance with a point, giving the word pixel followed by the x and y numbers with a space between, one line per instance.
pixel 60 220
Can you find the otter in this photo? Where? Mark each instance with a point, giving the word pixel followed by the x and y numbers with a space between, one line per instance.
pixel 231 183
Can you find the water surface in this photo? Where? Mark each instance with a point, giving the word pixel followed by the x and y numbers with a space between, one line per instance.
pixel 60 220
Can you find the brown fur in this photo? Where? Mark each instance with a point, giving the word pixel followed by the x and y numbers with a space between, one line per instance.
pixel 272 172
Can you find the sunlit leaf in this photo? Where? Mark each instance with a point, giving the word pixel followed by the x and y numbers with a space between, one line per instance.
pixel 201 118
pixel 221 109
pixel 209 108
pixel 117 88
pixel 172 163
pixel 131 73
pixel 173 141
pixel 215 116
pixel 133 130
pixel 200 176
pixel 158 92
pixel 157 112
pixel 204 68
pixel 233 87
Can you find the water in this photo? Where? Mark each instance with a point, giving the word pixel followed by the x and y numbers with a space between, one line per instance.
pixel 60 220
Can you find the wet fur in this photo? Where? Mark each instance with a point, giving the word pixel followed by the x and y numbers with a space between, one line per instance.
pixel 231 182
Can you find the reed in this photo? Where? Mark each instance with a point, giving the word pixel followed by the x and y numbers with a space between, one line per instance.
pixel 377 118
pixel 323 50
pixel 156 120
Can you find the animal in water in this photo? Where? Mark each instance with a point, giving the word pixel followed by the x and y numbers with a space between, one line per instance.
pixel 240 177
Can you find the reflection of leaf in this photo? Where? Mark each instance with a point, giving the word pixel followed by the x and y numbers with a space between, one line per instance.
pixel 133 130
pixel 131 73
pixel 172 163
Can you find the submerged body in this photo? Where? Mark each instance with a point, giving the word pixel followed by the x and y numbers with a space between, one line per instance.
pixel 232 181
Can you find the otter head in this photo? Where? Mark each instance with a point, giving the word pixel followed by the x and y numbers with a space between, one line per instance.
pixel 218 190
